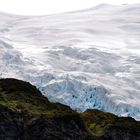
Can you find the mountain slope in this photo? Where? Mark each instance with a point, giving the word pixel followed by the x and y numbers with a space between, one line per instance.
pixel 26 114
pixel 85 59
pixel 106 126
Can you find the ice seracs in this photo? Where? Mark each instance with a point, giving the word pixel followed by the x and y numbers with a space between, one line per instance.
pixel 85 59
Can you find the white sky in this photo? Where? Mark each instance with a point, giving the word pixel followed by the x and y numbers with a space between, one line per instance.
pixel 44 7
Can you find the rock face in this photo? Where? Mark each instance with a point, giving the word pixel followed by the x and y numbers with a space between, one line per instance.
pixel 21 120
pixel 106 126
pixel 18 126
pixel 25 114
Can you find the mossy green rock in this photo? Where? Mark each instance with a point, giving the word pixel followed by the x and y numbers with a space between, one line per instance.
pixel 25 114
pixel 22 96
pixel 106 126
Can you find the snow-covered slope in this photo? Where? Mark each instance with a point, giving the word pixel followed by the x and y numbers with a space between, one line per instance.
pixel 85 59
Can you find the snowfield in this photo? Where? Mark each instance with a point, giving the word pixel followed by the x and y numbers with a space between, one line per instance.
pixel 84 59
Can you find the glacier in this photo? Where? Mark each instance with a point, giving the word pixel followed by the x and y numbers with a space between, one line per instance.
pixel 85 59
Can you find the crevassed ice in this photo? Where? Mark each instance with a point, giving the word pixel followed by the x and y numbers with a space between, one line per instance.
pixel 84 59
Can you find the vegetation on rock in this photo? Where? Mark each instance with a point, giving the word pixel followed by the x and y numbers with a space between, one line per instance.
pixel 25 114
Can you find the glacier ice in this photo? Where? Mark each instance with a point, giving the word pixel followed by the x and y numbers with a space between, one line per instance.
pixel 84 59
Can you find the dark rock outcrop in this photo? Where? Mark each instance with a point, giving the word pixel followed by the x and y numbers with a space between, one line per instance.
pixel 25 114
pixel 20 126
